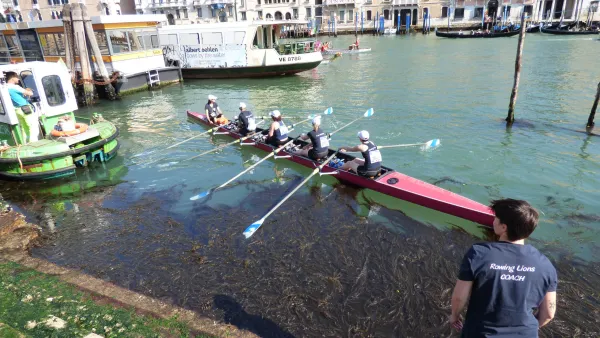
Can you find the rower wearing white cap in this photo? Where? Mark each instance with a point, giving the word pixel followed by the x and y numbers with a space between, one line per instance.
pixel 246 121
pixel 278 131
pixel 213 112
pixel 371 165
pixel 319 146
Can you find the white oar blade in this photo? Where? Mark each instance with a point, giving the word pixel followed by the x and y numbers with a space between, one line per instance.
pixel 253 227
pixel 369 113
pixel 328 111
pixel 432 144
pixel 200 195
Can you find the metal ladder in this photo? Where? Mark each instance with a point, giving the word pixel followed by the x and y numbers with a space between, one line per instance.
pixel 153 78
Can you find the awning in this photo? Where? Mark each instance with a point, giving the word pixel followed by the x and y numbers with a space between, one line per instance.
pixel 217 6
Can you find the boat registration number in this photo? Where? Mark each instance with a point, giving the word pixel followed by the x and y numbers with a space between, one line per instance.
pixel 290 58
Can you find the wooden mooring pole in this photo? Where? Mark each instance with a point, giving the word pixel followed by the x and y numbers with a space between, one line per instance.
pixel 513 96
pixel 590 123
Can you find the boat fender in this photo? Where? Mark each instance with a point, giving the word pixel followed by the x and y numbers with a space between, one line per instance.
pixel 79 129
pixel 392 180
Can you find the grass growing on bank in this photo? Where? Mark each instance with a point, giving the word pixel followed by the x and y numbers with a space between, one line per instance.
pixel 39 305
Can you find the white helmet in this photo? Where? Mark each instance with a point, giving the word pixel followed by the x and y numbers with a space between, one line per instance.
pixel 275 113
pixel 316 120
pixel 363 135
pixel 242 105
pixel 212 97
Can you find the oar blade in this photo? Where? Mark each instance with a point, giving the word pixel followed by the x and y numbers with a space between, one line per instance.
pixel 328 111
pixel 201 195
pixel 253 227
pixel 431 144
pixel 369 112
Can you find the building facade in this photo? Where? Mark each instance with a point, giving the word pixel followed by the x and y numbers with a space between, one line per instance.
pixel 212 11
pixel 360 12
pixel 39 10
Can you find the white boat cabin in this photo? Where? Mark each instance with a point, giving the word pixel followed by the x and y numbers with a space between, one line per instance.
pixel 235 44
pixel 53 97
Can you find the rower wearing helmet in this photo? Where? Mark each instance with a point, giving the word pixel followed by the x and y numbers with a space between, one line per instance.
pixel 213 112
pixel 319 146
pixel 371 165
pixel 246 121
pixel 278 132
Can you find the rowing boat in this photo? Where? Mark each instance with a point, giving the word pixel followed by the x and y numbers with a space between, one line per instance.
pixel 388 182
pixel 346 51
pixel 468 35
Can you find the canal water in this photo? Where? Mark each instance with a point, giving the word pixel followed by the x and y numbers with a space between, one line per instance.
pixel 336 260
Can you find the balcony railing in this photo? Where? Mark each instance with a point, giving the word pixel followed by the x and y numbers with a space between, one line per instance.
pixel 405 2
pixel 214 2
pixel 337 2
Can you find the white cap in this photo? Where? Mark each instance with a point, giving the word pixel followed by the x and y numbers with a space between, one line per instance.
pixel 363 135
pixel 316 120
pixel 275 113
pixel 212 97
pixel 242 105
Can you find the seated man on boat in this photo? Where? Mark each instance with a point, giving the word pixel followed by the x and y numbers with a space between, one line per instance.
pixel 246 121
pixel 28 119
pixel 319 146
pixel 371 165
pixel 278 131
pixel 213 112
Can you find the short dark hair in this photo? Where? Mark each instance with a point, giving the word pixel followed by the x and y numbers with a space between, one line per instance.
pixel 10 75
pixel 518 215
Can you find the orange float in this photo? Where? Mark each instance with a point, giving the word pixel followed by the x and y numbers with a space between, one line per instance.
pixel 79 128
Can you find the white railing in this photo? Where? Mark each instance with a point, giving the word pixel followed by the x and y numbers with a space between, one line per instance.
pixel 405 2
pixel 213 2
pixel 337 2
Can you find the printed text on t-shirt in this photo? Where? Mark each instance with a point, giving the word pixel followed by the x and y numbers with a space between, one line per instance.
pixel 511 269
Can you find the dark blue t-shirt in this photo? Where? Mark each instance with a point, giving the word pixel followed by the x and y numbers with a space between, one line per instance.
pixel 509 280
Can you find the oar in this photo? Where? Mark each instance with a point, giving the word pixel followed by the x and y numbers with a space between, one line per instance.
pixel 254 226
pixel 240 140
pixel 427 145
pixel 208 192
pixel 176 144
pixel 328 111
pixel 368 113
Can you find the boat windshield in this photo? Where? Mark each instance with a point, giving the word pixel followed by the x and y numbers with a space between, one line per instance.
pixel 270 37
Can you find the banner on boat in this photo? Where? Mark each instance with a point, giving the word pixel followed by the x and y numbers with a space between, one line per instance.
pixel 207 56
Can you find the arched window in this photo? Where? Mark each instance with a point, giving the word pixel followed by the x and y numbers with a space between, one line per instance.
pixel 105 9
pixel 269 16
pixel 288 16
pixel 278 16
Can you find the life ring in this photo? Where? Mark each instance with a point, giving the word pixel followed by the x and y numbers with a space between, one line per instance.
pixel 79 128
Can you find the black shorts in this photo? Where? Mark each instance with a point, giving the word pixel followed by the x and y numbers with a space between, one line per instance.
pixel 361 170
pixel 276 142
pixel 313 155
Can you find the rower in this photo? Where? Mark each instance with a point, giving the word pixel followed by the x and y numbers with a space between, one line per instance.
pixel 371 165
pixel 278 131
pixel 319 146
pixel 246 121
pixel 213 112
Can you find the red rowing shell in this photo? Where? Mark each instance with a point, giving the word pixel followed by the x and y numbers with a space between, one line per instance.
pixel 394 184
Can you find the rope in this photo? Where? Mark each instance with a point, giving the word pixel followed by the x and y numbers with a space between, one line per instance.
pixel 18 157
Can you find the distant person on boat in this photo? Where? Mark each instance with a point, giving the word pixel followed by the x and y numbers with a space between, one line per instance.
pixel 28 120
pixel 246 120
pixel 504 281
pixel 213 112
pixel 278 132
pixel 319 143
pixel 371 165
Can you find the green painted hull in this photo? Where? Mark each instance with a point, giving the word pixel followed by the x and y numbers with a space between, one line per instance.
pixel 48 158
